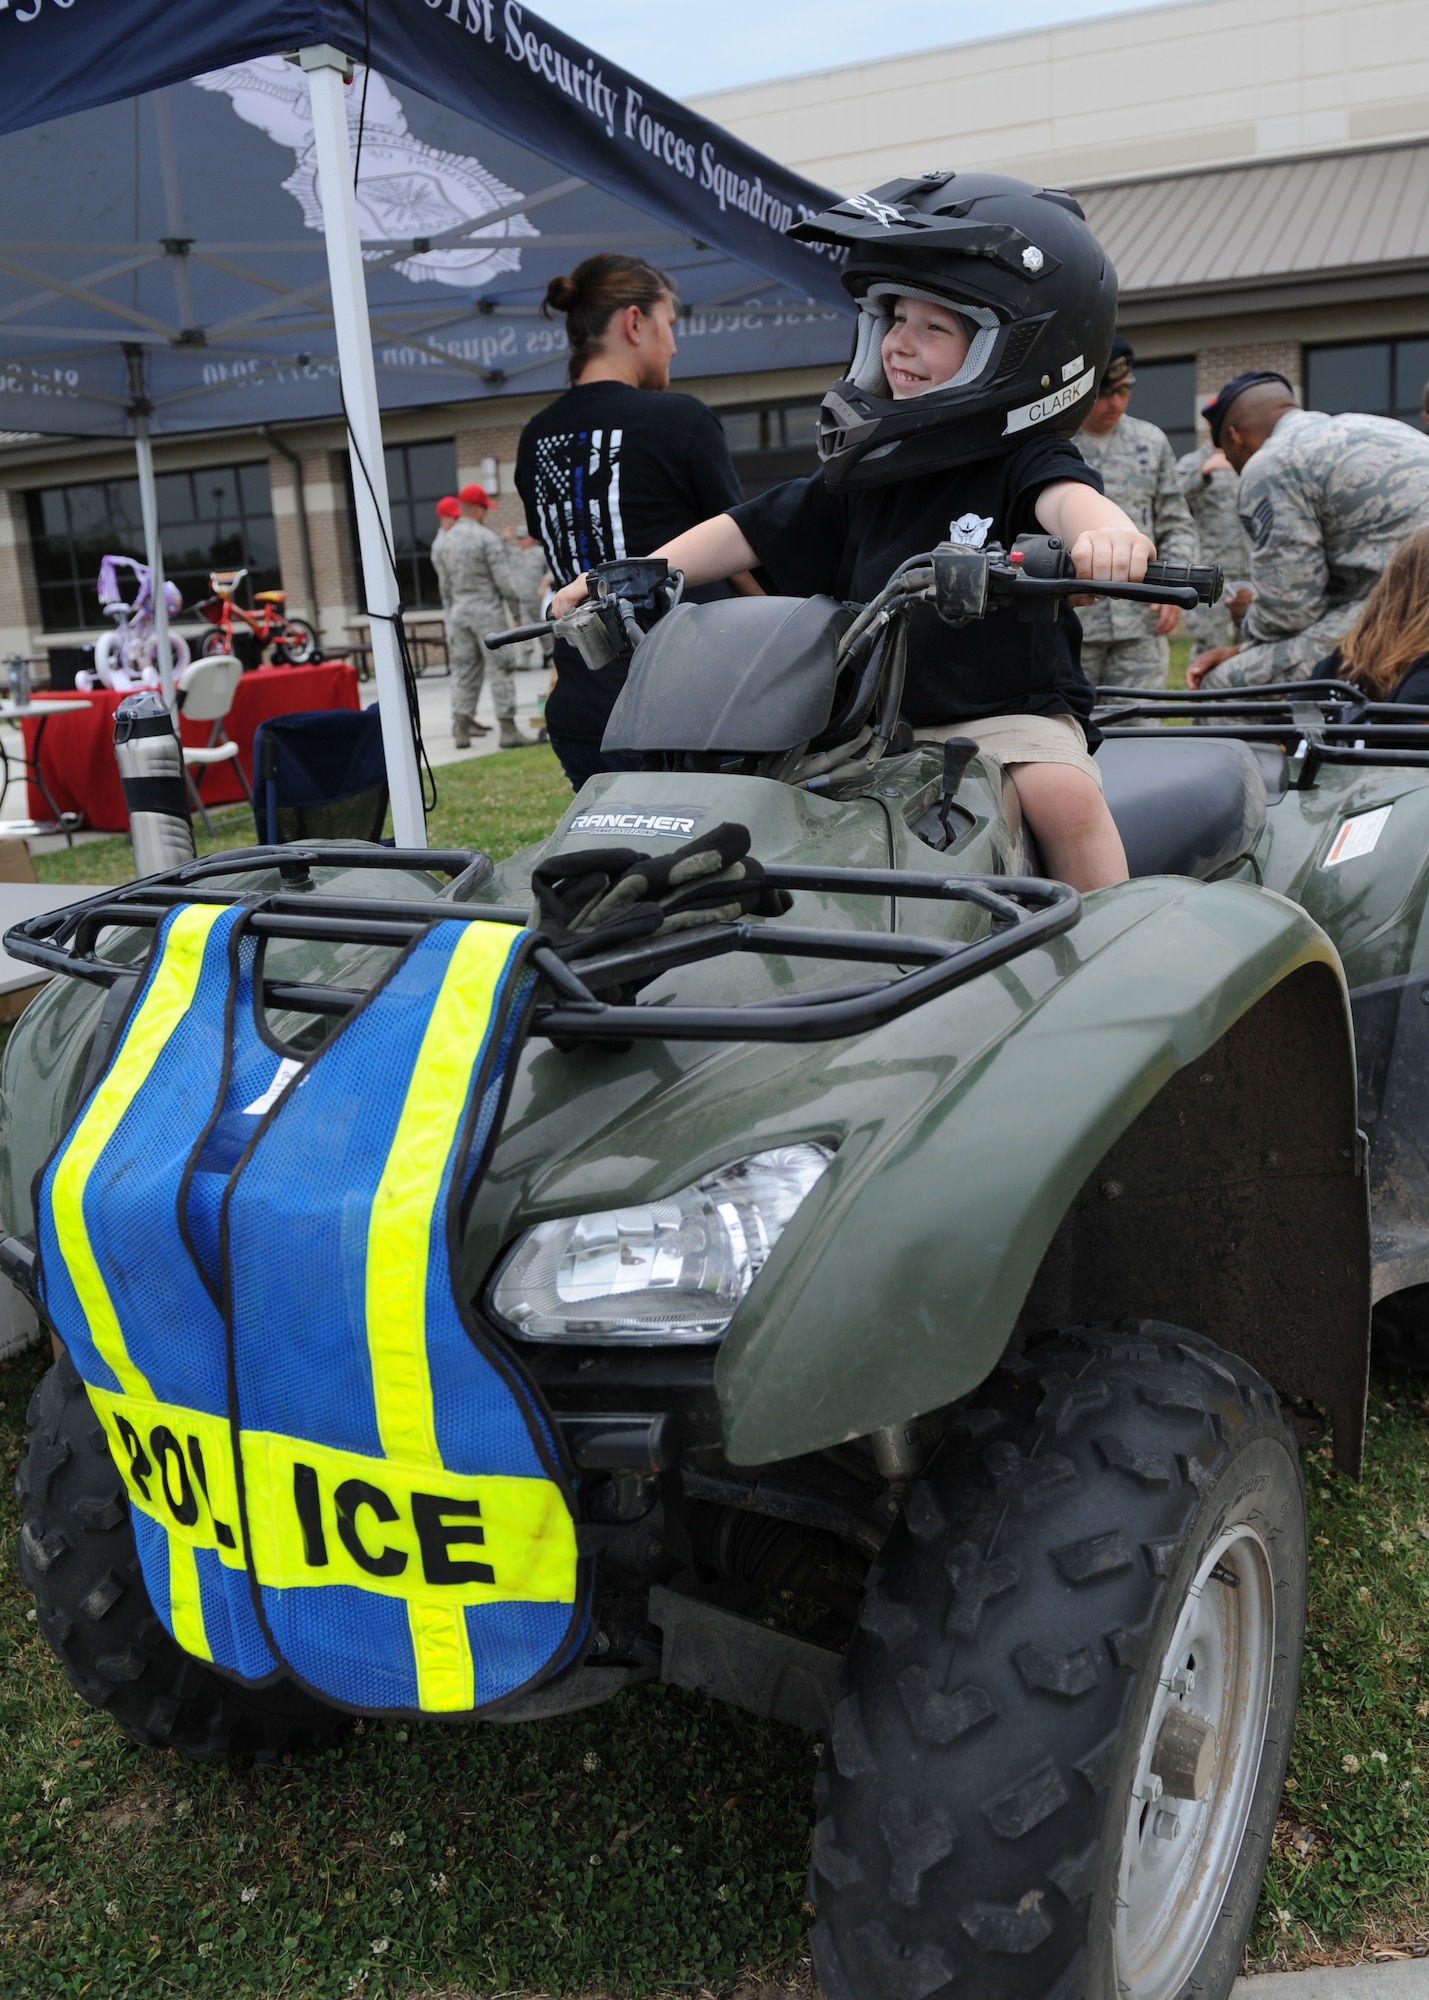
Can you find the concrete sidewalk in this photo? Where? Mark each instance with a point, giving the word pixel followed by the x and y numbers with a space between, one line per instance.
pixel 1399 1979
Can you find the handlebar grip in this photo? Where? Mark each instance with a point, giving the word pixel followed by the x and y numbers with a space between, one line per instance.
pixel 517 634
pixel 1206 580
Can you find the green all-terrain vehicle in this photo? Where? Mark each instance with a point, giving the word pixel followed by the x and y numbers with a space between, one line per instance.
pixel 916 1279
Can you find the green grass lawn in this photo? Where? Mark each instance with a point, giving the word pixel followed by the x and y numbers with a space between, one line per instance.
pixel 500 803
pixel 659 1842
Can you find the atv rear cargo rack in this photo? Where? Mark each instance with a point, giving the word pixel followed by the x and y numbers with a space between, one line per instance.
pixel 1314 722
pixel 1024 911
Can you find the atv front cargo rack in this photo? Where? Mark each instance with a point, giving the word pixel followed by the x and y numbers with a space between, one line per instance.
pixel 1024 911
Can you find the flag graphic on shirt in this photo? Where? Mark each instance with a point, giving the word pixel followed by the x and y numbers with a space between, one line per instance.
pixel 578 500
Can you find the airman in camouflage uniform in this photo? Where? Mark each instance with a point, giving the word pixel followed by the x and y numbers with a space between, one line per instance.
pixel 479 594
pixel 527 562
pixel 1325 500
pixel 1211 497
pixel 1121 645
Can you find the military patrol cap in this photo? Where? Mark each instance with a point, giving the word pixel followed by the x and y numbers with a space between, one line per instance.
pixel 1118 373
pixel 448 507
pixel 1215 413
pixel 474 496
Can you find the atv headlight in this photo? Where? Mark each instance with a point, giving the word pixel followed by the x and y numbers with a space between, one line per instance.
pixel 671 1270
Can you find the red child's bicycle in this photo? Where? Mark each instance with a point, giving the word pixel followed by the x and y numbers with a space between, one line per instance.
pixel 293 640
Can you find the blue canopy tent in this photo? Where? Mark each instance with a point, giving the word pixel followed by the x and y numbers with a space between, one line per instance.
pixel 234 233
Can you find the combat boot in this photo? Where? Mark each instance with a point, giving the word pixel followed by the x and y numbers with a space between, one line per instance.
pixel 511 737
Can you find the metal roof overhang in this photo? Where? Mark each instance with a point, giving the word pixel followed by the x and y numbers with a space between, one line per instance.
pixel 1268 235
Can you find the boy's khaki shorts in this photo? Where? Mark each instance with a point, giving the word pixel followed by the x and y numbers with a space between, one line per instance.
pixel 1023 739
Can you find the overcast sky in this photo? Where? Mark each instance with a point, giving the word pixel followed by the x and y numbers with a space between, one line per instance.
pixel 684 48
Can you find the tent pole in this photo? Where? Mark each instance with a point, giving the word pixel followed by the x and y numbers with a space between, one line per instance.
pixel 149 508
pixel 326 68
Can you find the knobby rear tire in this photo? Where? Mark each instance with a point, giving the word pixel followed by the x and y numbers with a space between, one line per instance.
pixel 976 1791
pixel 77 1556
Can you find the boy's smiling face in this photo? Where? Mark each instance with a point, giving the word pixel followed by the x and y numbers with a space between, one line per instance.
pixel 925 345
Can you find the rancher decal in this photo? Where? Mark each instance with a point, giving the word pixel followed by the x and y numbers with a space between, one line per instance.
pixel 663 821
pixel 333 1474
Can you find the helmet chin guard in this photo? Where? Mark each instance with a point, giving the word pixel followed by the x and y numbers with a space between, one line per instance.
pixel 1020 267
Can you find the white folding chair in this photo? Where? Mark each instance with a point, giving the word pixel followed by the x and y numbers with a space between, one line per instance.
pixel 206 690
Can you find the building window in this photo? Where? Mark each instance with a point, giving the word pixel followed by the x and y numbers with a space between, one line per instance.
pixel 417 477
pixel 1165 395
pixel 1383 378
pixel 771 442
pixel 220 517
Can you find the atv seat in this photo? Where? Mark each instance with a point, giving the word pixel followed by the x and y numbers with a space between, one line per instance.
pixel 1182 806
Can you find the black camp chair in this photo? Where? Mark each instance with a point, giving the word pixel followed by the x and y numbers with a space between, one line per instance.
pixel 319 776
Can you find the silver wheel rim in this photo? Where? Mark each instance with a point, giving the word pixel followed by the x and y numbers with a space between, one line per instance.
pixel 1179 1856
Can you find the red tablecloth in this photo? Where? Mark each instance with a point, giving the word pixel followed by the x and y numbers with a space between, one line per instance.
pixel 77 752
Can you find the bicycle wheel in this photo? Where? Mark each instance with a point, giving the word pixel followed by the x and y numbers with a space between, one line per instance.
pixel 298 643
pixel 215 642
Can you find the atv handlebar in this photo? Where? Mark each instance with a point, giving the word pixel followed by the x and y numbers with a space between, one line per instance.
pixel 517 633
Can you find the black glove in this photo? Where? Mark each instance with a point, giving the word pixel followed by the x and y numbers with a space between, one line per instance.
pixel 593 900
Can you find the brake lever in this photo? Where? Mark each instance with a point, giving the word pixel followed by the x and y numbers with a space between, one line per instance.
pixel 1037 572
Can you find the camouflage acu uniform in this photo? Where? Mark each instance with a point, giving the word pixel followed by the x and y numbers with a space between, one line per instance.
pixel 527 567
pixel 1325 501
pixel 1211 498
pixel 478 595
pixel 1138 468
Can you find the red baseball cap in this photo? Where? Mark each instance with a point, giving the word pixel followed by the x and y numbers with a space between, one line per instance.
pixel 448 508
pixel 474 496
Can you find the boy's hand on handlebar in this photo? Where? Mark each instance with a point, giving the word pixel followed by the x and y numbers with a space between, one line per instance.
pixel 1112 555
pixel 567 599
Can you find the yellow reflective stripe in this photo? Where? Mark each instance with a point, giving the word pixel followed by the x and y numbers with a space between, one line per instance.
pixel 400 1224
pixel 177 1468
pixel 317 1515
pixel 168 999
pixel 185 1604
pixel 446 1674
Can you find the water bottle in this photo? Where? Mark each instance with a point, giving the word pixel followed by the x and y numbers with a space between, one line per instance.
pixel 19 680
pixel 151 764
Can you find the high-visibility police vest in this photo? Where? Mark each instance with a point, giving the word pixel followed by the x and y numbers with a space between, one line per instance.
pixel 255 1265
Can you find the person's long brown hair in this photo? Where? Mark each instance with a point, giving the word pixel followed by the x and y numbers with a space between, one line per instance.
pixel 1392 631
pixel 604 284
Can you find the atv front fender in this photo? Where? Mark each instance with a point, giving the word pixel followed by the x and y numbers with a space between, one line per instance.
pixel 1151 1117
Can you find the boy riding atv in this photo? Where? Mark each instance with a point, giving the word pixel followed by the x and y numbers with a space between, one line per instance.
pixel 919 445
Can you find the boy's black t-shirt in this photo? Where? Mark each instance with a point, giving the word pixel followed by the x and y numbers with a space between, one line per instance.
pixel 809 539
pixel 608 471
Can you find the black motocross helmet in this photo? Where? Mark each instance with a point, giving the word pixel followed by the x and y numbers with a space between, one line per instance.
pixel 1033 287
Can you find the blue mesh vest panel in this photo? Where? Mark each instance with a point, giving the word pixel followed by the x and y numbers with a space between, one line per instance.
pixel 332 1470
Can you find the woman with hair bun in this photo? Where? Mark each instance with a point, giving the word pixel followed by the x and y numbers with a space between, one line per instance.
pixel 615 466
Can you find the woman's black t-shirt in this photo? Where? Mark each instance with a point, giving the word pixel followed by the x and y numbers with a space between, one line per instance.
pixel 809 539
pixel 608 471
pixel 1412 686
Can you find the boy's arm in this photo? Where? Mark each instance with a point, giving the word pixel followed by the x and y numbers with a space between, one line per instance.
pixel 707 553
pixel 1103 542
